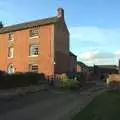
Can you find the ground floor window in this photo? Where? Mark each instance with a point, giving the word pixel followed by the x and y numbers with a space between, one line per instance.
pixel 33 68
pixel 10 69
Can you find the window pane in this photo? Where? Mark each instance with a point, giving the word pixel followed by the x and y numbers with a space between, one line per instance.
pixel 34 33
pixel 10 52
pixel 33 68
pixel 10 69
pixel 10 36
pixel 34 50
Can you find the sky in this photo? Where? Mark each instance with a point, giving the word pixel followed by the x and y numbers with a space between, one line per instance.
pixel 94 25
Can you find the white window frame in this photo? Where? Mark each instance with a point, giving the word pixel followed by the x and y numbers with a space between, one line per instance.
pixel 30 51
pixel 30 68
pixel 10 49
pixel 12 36
pixel 10 69
pixel 33 36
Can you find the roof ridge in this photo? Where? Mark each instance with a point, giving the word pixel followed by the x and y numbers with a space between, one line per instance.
pixel 28 24
pixel 30 21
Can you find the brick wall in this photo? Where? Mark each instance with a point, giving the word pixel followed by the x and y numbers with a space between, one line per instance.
pixel 21 43
pixel 61 47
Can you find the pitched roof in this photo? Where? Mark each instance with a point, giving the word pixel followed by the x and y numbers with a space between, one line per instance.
pixel 82 64
pixel 29 24
pixel 72 54
pixel 106 66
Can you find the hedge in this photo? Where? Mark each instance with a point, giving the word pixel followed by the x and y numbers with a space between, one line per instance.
pixel 20 79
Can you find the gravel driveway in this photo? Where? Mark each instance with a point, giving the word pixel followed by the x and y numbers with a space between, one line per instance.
pixel 44 105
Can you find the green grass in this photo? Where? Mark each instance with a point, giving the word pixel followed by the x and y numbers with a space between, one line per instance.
pixel 105 106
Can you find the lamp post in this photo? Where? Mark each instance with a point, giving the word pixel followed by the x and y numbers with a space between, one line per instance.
pixel 54 68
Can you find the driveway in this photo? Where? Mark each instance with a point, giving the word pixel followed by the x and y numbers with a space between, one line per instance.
pixel 44 106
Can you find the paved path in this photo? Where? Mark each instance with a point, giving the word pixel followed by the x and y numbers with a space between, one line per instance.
pixel 45 106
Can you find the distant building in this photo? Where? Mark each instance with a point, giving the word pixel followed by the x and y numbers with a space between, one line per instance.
pixel 105 69
pixel 102 70
pixel 81 67
pixel 37 46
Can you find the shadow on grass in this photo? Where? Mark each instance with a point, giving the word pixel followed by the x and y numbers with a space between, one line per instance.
pixel 105 106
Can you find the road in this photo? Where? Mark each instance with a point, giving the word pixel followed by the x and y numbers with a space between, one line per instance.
pixel 44 105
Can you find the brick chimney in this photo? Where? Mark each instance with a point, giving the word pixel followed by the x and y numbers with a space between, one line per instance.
pixel 60 12
pixel 1 24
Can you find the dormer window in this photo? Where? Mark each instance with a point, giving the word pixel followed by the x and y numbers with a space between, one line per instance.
pixel 10 36
pixel 34 33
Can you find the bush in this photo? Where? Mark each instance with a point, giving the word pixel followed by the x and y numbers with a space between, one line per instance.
pixel 20 79
pixel 80 78
pixel 2 75
pixel 70 75
pixel 68 83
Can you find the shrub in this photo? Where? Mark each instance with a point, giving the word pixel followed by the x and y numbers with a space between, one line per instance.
pixel 80 78
pixel 21 79
pixel 2 75
pixel 68 83
pixel 70 75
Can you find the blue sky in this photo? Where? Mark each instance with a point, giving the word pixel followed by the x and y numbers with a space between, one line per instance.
pixel 94 25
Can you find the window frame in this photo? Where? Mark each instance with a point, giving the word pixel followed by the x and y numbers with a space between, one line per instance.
pixel 10 69
pixel 12 36
pixel 33 65
pixel 31 52
pixel 31 35
pixel 10 52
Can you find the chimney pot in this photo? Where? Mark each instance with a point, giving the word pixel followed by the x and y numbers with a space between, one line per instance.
pixel 60 12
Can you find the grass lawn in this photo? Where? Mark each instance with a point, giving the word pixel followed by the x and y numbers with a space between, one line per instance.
pixel 106 106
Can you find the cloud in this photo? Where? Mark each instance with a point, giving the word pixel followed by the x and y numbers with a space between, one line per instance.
pixel 95 34
pixel 117 53
pixel 107 61
pixel 97 57
pixel 87 55
pixel 95 44
pixel 90 55
pixel 104 55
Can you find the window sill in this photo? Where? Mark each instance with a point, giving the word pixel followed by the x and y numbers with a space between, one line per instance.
pixel 10 40
pixel 10 57
pixel 34 37
pixel 33 56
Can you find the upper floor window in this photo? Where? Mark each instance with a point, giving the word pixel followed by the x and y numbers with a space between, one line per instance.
pixel 10 36
pixel 34 50
pixel 10 52
pixel 34 33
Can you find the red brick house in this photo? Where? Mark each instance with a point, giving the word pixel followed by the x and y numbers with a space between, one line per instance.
pixel 81 67
pixel 37 46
